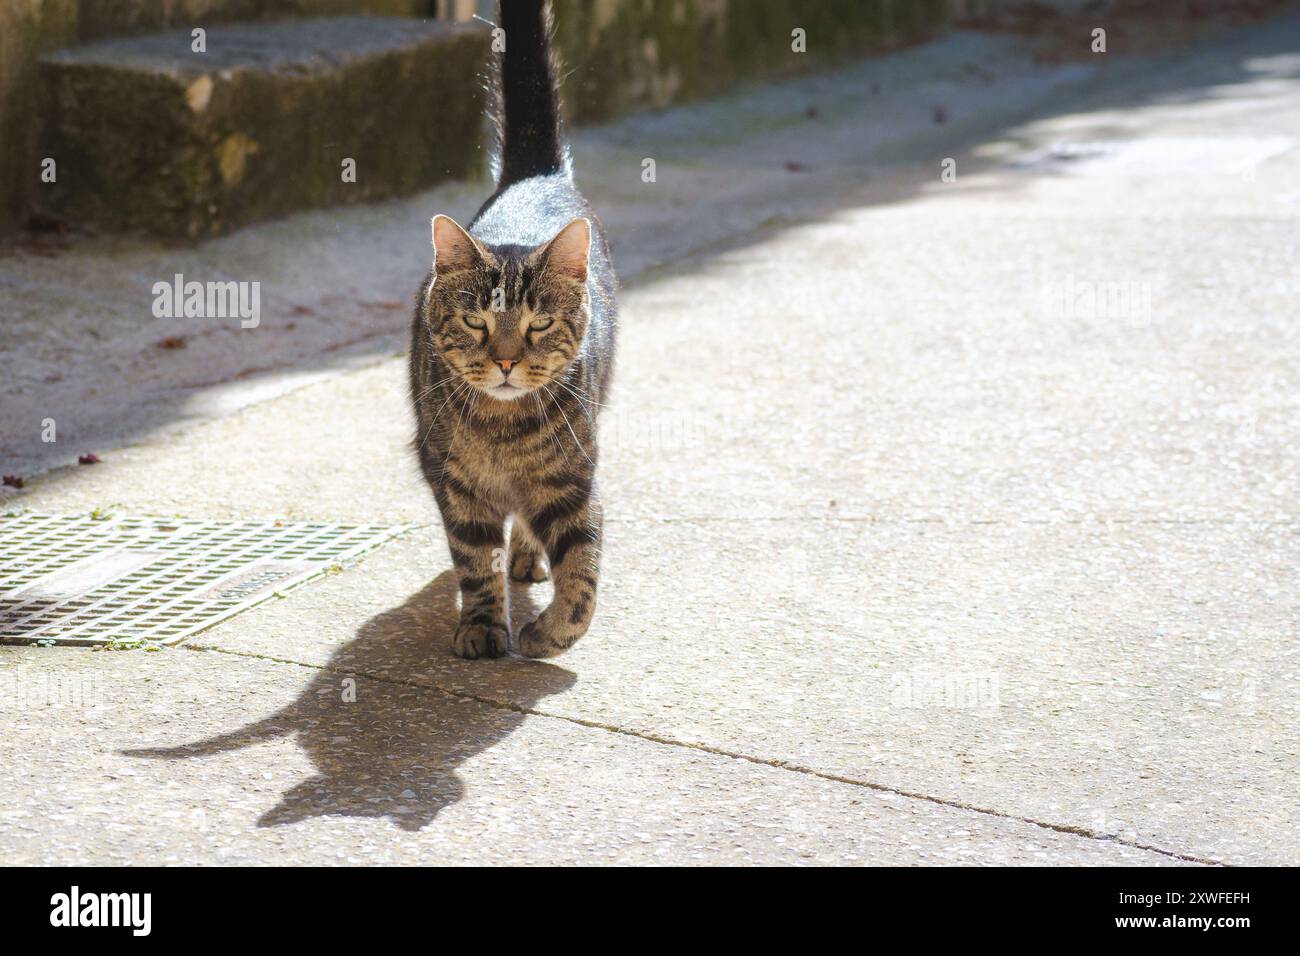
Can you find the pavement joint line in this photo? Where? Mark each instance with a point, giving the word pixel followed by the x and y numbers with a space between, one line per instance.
pixel 842 519
pixel 1063 828
pixel 1038 522
pixel 945 520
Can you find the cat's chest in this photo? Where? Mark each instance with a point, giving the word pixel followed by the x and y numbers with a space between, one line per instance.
pixel 500 471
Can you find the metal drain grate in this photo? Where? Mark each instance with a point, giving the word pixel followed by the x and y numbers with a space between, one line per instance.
pixel 82 580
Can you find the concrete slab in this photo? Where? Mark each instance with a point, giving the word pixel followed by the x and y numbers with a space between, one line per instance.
pixel 182 757
pixel 1080 676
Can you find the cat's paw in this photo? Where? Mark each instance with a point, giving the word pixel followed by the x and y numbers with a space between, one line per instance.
pixel 472 641
pixel 527 567
pixel 540 638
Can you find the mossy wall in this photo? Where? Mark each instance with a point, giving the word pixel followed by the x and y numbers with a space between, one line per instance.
pixel 105 18
pixel 28 28
pixel 261 127
pixel 620 55
pixel 628 54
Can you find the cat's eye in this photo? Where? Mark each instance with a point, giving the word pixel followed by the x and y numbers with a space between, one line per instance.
pixel 474 322
pixel 540 325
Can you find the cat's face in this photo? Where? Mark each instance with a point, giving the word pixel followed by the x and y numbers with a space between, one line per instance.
pixel 508 323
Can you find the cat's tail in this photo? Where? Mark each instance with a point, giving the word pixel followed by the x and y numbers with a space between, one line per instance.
pixel 527 113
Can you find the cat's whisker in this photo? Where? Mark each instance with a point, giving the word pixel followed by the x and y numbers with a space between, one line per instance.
pixel 564 415
pixel 428 390
pixel 588 402
pixel 460 422
pixel 546 419
pixel 438 413
pixel 454 392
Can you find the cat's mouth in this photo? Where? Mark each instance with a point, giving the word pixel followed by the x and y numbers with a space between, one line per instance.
pixel 506 392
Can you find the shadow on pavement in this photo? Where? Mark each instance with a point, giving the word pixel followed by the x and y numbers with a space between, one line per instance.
pixel 390 745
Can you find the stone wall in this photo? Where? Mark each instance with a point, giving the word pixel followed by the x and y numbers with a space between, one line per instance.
pixel 627 54
pixel 620 54
pixel 103 18
pixel 28 28
pixel 273 118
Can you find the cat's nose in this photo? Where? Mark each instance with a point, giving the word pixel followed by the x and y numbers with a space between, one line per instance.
pixel 507 364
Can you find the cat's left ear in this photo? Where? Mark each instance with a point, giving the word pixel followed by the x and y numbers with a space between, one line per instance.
pixel 568 252
pixel 454 249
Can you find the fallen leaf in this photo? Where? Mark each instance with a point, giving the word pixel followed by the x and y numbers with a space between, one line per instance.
pixel 39 223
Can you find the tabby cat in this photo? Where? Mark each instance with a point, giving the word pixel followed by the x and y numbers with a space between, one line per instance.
pixel 512 350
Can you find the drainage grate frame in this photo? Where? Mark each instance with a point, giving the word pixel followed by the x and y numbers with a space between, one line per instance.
pixel 85 580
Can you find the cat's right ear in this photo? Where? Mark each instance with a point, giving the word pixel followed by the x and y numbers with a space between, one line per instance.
pixel 454 249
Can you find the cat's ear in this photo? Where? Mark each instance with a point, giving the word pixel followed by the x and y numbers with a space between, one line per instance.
pixel 567 253
pixel 454 249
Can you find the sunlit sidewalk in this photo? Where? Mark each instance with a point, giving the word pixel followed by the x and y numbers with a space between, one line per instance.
pixel 948 522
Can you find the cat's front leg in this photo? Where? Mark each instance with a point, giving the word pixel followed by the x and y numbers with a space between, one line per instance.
pixel 570 529
pixel 526 564
pixel 476 536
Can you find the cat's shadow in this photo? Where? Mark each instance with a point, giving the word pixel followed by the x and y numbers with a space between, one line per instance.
pixel 384 741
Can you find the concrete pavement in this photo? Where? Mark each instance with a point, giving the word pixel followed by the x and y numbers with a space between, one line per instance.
pixel 989 556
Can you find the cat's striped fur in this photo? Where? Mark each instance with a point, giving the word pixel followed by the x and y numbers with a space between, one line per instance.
pixel 511 356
